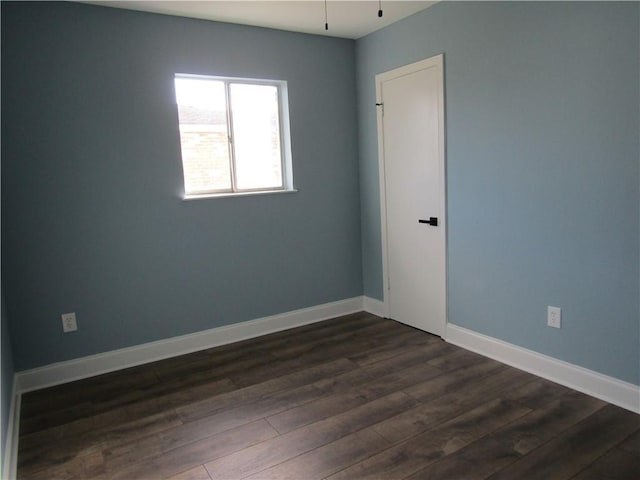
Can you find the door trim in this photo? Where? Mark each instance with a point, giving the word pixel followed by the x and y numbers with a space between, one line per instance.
pixel 436 61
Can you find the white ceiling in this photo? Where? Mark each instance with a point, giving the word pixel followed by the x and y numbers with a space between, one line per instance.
pixel 346 19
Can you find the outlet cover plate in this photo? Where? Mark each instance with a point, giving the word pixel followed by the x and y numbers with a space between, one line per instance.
pixel 554 317
pixel 69 323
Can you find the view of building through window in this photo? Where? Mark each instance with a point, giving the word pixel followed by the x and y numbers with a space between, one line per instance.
pixel 230 135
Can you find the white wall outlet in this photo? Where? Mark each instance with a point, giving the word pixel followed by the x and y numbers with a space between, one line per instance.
pixel 554 317
pixel 69 323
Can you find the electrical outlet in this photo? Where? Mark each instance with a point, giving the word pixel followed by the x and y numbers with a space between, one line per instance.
pixel 554 317
pixel 69 323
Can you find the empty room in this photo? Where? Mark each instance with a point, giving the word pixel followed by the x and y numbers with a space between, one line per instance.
pixel 320 240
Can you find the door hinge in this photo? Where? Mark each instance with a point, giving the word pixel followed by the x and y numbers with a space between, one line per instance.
pixel 380 105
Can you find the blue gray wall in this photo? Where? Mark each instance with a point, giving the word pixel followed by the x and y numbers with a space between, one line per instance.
pixel 543 176
pixel 92 216
pixel 543 160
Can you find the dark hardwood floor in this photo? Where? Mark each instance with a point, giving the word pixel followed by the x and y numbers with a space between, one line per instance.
pixel 349 398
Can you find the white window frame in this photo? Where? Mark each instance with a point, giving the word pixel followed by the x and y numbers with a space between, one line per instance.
pixel 285 139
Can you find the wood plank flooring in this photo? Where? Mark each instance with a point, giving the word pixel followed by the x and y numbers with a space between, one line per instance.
pixel 354 397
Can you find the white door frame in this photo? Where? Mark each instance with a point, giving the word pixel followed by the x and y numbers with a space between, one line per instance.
pixel 437 62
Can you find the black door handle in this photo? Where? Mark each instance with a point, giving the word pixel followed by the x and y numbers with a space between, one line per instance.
pixel 433 221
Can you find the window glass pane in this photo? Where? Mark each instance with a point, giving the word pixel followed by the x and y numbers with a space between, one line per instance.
pixel 256 136
pixel 203 134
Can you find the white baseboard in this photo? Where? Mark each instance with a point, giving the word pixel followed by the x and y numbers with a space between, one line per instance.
pixel 9 462
pixel 374 306
pixel 92 365
pixel 79 368
pixel 615 391
pixel 609 389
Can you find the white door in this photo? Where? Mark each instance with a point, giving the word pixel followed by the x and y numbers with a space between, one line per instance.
pixel 412 180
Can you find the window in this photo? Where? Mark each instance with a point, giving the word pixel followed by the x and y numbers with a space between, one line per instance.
pixel 233 135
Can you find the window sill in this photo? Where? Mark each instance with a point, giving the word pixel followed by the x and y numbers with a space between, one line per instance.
pixel 237 194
